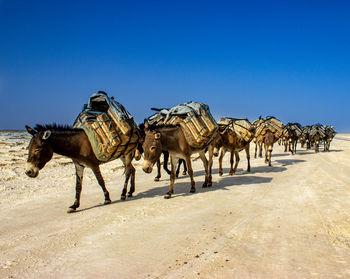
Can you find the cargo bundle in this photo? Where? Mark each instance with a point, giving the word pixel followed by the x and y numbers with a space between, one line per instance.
pixel 269 123
pixel 241 127
pixel 296 127
pixel 194 118
pixel 317 128
pixel 109 126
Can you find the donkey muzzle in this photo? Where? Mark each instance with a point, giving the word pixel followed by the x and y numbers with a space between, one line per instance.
pixel 147 166
pixel 216 152
pixel 32 171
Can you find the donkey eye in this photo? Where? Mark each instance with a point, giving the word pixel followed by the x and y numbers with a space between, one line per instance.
pixel 153 148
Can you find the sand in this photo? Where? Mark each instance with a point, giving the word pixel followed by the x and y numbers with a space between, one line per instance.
pixel 291 220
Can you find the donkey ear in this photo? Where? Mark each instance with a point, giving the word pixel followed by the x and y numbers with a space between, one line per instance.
pixel 46 135
pixel 31 130
pixel 146 124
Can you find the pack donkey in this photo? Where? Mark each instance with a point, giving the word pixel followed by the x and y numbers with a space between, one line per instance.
pixel 171 138
pixel 230 140
pixel 268 131
pixel 72 143
pixel 139 152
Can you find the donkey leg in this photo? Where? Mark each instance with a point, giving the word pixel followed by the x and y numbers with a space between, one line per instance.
pixel 185 167
pixel 79 172
pixel 128 161
pixel 190 173
pixel 210 165
pixel 205 164
pixel 101 182
pixel 165 162
pixel 173 161
pixel 270 152
pixel 248 156
pixel 260 149
pixel 178 168
pixel 128 170
pixel 222 153
pixel 158 171
pixel 256 149
pixel 236 161
pixel 266 153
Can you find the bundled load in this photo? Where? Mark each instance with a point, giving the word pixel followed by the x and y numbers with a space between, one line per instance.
pixel 195 119
pixel 330 131
pixel 317 128
pixel 296 127
pixel 241 127
pixel 269 123
pixel 110 128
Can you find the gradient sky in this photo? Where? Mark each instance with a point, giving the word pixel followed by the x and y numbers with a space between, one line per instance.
pixel 290 59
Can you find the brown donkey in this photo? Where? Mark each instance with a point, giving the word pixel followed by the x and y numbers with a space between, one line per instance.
pixel 172 139
pixel 72 143
pixel 268 140
pixel 229 141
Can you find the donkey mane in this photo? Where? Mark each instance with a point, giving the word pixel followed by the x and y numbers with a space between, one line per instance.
pixel 154 127
pixel 57 128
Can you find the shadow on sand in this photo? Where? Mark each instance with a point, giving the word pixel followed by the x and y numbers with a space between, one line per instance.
pixel 183 188
pixel 242 177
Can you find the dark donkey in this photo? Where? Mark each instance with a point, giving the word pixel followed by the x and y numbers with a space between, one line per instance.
pixel 229 141
pixel 73 143
pixel 172 139
pixel 139 152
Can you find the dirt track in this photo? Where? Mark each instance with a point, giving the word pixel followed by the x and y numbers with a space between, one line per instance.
pixel 291 220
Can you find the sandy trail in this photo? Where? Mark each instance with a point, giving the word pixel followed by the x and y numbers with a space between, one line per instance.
pixel 291 220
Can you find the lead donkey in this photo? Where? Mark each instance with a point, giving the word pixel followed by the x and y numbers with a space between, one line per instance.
pixel 75 143
pixel 182 131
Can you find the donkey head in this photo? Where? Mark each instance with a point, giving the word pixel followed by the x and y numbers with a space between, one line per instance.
pixel 217 144
pixel 152 148
pixel 40 151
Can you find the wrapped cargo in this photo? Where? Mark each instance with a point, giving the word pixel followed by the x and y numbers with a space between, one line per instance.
pixel 241 127
pixel 269 123
pixel 194 118
pixel 110 128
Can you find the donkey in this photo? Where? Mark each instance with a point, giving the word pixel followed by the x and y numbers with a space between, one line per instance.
pixel 268 140
pixel 139 152
pixel 330 134
pixel 290 139
pixel 75 144
pixel 172 139
pixel 229 141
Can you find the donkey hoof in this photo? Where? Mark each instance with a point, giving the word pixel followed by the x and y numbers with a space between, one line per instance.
pixel 193 190
pixel 107 202
pixel 123 198
pixel 184 173
pixel 129 195
pixel 205 185
pixel 210 184
pixel 221 173
pixel 167 196
pixel 231 172
pixel 71 210
pixel 156 179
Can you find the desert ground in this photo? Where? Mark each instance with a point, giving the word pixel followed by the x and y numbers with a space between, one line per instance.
pixel 291 220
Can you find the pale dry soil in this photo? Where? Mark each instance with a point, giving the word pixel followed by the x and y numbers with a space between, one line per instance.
pixel 291 220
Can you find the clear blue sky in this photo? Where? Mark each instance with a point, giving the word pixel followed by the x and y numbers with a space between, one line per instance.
pixel 290 59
